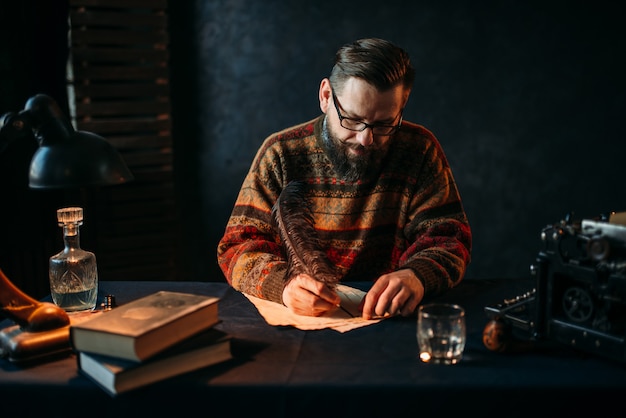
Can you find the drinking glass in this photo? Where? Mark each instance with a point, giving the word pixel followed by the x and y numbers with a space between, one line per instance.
pixel 441 333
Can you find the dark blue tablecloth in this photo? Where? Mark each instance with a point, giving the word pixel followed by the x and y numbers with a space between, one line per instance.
pixel 369 371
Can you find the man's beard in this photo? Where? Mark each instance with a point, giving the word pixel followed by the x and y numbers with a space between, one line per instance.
pixel 351 167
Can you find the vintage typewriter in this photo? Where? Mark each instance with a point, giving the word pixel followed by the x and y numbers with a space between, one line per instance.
pixel 579 294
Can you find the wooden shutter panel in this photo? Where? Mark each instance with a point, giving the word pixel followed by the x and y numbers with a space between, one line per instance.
pixel 118 87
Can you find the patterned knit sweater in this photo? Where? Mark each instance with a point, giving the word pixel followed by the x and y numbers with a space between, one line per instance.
pixel 410 216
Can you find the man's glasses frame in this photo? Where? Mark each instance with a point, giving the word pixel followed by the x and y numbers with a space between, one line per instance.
pixel 360 126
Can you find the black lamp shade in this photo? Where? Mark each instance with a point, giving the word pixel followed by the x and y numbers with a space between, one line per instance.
pixel 80 159
pixel 66 158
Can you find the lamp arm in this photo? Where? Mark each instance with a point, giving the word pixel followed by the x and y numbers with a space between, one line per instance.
pixel 30 314
pixel 41 113
pixel 13 126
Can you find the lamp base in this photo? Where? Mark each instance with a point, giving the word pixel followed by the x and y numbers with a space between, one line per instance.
pixel 25 347
pixel 22 347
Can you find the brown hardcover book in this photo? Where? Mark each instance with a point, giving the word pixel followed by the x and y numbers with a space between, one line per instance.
pixel 146 326
pixel 116 375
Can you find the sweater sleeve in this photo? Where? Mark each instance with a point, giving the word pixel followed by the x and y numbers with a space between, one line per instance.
pixel 249 253
pixel 438 232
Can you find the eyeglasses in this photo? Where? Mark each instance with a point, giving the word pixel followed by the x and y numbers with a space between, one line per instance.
pixel 360 126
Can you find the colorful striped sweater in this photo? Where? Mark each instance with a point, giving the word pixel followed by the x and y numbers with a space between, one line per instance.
pixel 411 216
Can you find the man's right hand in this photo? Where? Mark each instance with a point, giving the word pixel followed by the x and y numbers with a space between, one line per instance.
pixel 304 295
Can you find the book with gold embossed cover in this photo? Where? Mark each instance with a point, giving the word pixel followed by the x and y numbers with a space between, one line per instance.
pixel 142 328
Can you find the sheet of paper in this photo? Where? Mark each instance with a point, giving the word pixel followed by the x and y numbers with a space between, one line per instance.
pixel 343 319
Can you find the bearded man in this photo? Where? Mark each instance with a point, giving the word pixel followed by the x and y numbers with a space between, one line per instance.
pixel 378 189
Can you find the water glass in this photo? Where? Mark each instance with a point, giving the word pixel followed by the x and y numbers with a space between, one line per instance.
pixel 441 333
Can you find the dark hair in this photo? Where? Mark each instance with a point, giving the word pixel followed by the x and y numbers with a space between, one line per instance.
pixel 377 61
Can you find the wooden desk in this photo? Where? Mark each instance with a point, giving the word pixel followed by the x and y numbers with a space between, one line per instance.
pixel 372 371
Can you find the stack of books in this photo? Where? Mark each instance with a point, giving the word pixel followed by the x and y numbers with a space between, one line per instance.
pixel 152 338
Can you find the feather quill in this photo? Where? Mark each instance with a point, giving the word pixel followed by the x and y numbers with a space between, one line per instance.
pixel 294 222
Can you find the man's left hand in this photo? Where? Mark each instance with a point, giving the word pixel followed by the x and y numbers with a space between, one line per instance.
pixel 396 293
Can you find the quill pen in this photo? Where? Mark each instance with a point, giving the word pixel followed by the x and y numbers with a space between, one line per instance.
pixel 292 218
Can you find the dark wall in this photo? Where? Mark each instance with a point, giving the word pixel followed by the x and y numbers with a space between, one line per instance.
pixel 33 54
pixel 526 97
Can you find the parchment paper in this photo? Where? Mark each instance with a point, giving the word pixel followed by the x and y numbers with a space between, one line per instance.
pixel 345 318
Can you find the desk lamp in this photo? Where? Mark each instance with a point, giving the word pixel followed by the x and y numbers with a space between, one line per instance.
pixel 66 158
